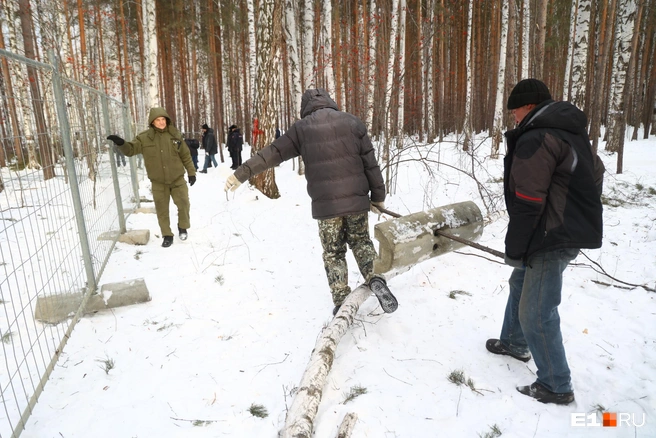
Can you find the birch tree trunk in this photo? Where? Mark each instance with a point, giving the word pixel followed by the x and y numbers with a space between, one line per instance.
pixel 150 49
pixel 308 79
pixel 327 21
pixel 389 83
pixel 541 22
pixel 11 102
pixel 371 66
pixel 294 61
pixel 427 69
pixel 269 38
pixel 467 125
pixel 497 129
pixel 526 38
pixel 401 89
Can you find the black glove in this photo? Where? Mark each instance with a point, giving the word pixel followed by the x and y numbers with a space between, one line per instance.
pixel 116 139
pixel 192 180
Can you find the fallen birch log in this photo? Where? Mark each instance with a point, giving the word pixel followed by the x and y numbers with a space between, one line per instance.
pixel 300 417
pixel 348 423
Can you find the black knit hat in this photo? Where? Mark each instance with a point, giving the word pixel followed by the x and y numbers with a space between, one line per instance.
pixel 232 127
pixel 205 126
pixel 528 91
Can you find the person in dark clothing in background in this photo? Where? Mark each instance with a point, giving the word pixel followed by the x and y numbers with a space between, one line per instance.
pixel 194 145
pixel 277 132
pixel 210 146
pixel 552 186
pixel 235 143
pixel 341 170
pixel 120 157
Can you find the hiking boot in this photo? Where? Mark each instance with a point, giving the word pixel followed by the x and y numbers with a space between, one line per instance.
pixel 336 309
pixel 543 395
pixel 387 301
pixel 183 233
pixel 202 171
pixel 168 240
pixel 496 346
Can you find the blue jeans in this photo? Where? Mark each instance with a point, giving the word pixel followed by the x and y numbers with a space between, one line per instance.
pixel 531 322
pixel 209 157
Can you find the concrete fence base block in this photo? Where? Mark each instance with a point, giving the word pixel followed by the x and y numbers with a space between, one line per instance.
pixel 54 309
pixel 133 237
pixel 145 210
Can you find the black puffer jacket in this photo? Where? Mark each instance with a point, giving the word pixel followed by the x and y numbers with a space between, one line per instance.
pixel 552 182
pixel 340 164
pixel 209 142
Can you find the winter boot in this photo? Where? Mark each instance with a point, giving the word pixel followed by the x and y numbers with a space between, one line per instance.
pixel 336 309
pixel 387 301
pixel 168 240
pixel 496 346
pixel 183 233
pixel 543 395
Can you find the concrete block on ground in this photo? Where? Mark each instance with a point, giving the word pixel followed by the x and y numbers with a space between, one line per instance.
pixel 54 309
pixel 145 210
pixel 133 237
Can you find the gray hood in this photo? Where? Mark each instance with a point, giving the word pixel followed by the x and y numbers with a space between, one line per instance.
pixel 314 99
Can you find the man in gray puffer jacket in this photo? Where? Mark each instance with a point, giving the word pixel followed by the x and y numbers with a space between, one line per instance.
pixel 341 170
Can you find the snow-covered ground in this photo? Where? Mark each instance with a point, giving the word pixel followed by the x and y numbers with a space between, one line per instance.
pixel 237 308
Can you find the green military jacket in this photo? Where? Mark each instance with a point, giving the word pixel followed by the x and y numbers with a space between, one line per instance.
pixel 165 153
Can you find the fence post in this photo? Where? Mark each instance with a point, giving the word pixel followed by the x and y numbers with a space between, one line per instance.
pixel 62 116
pixel 112 162
pixel 133 170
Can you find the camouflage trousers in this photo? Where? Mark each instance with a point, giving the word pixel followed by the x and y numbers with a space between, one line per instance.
pixel 335 234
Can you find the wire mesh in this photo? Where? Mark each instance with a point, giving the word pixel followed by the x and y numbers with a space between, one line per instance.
pixel 56 201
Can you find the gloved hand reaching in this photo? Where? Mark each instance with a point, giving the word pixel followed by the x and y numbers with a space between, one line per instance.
pixel 116 139
pixel 375 207
pixel 232 183
pixel 192 180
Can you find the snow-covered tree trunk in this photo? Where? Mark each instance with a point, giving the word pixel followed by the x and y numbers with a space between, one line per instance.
pixel 497 129
pixel 327 31
pixel 150 49
pixel 308 52
pixel 371 65
pixel 299 422
pixel 467 125
pixel 526 38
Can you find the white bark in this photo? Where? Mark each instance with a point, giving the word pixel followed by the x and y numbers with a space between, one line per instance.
pixel 252 48
pixel 347 426
pixel 300 417
pixel 467 125
pixel 308 52
pixel 150 48
pixel 327 32
pixel 387 103
pixel 570 51
pixel 371 67
pixel 401 116
pixel 622 52
pixel 526 36
pixel 427 69
pixel 294 61
pixel 501 83
pixel 579 55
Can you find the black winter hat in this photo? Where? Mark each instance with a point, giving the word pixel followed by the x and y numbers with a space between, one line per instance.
pixel 528 91
pixel 205 126
pixel 232 127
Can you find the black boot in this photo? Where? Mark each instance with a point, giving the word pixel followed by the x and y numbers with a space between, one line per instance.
pixel 168 240
pixel 386 299
pixel 183 233
pixel 336 309
pixel 496 346
pixel 543 395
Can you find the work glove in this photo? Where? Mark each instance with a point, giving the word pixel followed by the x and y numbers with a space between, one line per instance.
pixel 116 139
pixel 375 207
pixel 192 180
pixel 232 183
pixel 515 263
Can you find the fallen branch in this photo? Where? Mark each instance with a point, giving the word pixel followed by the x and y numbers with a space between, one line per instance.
pixel 348 423
pixel 301 414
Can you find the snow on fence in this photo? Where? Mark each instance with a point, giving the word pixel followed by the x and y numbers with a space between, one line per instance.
pixel 60 188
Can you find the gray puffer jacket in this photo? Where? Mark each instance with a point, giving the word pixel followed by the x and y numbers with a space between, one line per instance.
pixel 340 164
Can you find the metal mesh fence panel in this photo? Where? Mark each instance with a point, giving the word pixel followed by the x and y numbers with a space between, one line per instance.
pixel 60 192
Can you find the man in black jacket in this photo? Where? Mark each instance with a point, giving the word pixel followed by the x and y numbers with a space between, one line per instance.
pixel 552 182
pixel 210 146
pixel 235 144
pixel 341 170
